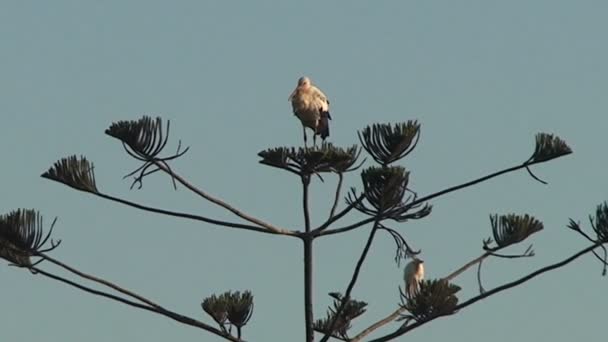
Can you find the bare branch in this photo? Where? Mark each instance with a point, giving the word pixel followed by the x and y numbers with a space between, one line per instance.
pixel 337 198
pixel 161 311
pixel 466 266
pixel 426 198
pixel 318 231
pixel 354 278
pixel 99 281
pixel 347 228
pixel 393 316
pixel 197 217
pixel 217 201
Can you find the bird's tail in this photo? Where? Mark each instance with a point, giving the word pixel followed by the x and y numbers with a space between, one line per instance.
pixel 412 288
pixel 323 126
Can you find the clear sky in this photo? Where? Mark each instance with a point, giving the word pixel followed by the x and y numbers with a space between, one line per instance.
pixel 481 76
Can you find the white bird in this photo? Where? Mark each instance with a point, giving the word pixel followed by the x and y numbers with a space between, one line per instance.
pixel 311 106
pixel 413 275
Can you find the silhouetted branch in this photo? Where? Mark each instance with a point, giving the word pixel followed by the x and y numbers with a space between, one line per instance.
pixel 221 203
pixel 159 310
pixel 197 217
pixel 576 227
pixel 433 195
pixel 353 280
pixel 403 248
pixel 390 318
pixel 599 224
pixel 337 197
pixel 99 280
pixel 65 175
pixel 145 140
pixel 319 231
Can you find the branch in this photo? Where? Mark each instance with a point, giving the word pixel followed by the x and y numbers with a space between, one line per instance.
pixel 195 217
pixel 471 183
pixel 403 330
pixel 161 311
pixel 319 231
pixel 426 198
pixel 347 228
pixel 337 198
pixel 393 316
pixel 217 201
pixel 353 280
pixel 466 266
pixel 99 281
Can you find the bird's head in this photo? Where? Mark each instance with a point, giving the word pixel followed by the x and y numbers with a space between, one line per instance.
pixel 304 81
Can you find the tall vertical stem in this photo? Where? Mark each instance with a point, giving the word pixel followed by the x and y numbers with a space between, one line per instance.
pixel 305 183
pixel 308 239
pixel 308 289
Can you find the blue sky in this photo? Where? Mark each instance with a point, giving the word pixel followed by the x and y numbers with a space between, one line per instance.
pixel 482 77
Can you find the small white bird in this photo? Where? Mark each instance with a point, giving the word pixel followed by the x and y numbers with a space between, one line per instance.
pixel 311 106
pixel 413 275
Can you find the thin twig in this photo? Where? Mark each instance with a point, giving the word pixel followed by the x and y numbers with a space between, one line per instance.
pixel 353 280
pixel 403 330
pixel 470 183
pixel 479 283
pixel 217 201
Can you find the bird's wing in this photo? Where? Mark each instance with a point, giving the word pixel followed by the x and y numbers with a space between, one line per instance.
pixel 319 96
pixel 408 272
pixel 420 273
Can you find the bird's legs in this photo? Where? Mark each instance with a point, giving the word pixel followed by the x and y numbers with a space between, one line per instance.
pixel 304 131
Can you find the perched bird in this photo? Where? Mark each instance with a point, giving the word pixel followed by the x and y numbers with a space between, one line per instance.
pixel 311 106
pixel 413 275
